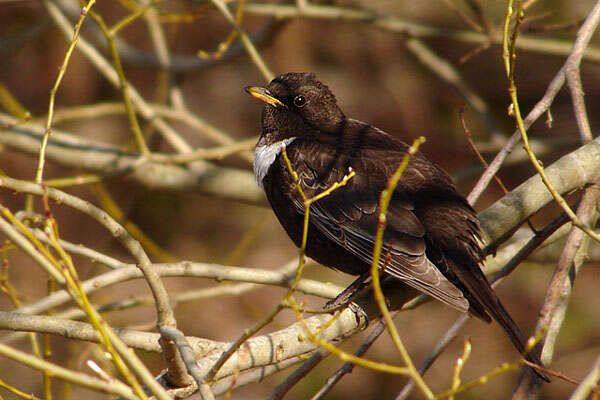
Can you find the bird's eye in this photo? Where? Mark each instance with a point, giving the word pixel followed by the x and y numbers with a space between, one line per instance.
pixel 299 101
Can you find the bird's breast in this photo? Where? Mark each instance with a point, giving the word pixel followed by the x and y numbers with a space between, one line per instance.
pixel 265 155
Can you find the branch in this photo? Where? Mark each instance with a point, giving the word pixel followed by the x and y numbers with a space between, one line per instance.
pixel 186 269
pixel 253 375
pixel 260 351
pixel 16 321
pixel 161 297
pixel 113 387
pixel 553 309
pixel 571 172
pixel 74 152
pixel 348 367
pixel 111 75
pixel 525 248
pixel 572 71
pixel 291 342
pixel 390 23
pixel 588 384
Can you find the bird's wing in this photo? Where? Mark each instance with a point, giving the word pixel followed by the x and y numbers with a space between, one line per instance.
pixel 349 217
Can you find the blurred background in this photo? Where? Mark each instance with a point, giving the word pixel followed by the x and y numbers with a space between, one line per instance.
pixel 378 75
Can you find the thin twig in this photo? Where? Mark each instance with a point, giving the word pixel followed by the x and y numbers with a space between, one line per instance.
pixel 411 29
pixel 61 72
pixel 434 353
pixel 452 332
pixel 464 16
pixel 115 387
pixel 482 160
pixel 477 9
pixel 254 375
pixel 110 34
pixel 573 75
pixel 163 309
pixel 252 52
pixel 386 197
pixel 348 366
pixel 461 114
pixel 458 366
pixel 288 383
pixel 509 61
pixel 215 153
pixel 553 308
pixel 589 383
pixel 445 71
pixel 109 72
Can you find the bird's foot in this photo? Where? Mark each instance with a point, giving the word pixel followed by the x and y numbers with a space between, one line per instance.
pixel 349 293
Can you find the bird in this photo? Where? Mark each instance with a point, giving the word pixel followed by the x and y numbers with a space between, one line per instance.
pixel 432 235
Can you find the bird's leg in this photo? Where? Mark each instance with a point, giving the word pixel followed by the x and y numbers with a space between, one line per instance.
pixel 347 294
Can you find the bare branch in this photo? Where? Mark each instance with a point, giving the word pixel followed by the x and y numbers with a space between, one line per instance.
pixel 553 309
pixel 411 29
pixel 75 152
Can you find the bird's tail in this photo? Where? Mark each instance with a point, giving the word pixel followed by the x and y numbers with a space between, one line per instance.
pixel 484 300
pixel 500 315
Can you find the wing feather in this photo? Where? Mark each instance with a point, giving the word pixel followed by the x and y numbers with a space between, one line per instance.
pixel 349 218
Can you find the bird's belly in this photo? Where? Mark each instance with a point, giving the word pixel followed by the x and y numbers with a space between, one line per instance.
pixel 330 254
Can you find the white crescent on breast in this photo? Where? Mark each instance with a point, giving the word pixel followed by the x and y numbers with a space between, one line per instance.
pixel 264 156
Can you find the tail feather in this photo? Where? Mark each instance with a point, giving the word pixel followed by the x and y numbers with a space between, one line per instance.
pixel 482 297
pixel 501 316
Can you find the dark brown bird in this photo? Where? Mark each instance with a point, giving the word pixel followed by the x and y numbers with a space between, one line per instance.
pixel 432 233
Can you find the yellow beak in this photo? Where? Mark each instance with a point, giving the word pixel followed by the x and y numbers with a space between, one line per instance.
pixel 263 95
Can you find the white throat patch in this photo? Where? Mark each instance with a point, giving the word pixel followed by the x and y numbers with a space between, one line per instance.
pixel 264 156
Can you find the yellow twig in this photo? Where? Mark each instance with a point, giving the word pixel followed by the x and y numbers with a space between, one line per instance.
pixel 109 34
pixel 138 12
pixel 48 347
pixel 386 197
pixel 112 208
pixel 505 367
pixel 77 180
pixel 12 105
pixel 313 337
pixel 226 44
pixel 17 392
pixel 307 203
pixel 344 356
pixel 460 363
pixel 7 288
pixel 509 56
pixel 61 72
pixel 73 284
pixel 250 48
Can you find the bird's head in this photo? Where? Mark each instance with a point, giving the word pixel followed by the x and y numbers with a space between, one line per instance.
pixel 297 102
